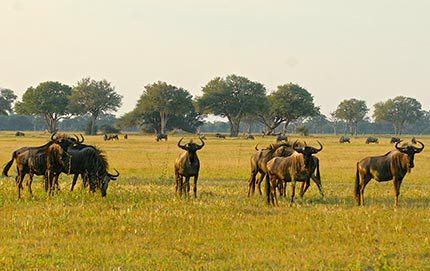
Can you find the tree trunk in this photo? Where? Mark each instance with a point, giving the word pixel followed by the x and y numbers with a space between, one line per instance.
pixel 284 128
pixel 234 127
pixel 163 122
pixel 93 123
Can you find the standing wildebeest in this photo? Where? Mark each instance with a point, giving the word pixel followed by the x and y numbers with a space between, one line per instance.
pixel 298 167
pixel 259 160
pixel 344 139
pixel 18 133
pixel 161 136
pixel 34 160
pixel 187 165
pixel 281 138
pixel 395 139
pixel 107 137
pixel 218 135
pixel 392 166
pixel 372 139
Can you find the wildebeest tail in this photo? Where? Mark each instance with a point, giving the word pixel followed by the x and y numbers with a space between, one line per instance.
pixel 9 164
pixel 268 189
pixel 357 186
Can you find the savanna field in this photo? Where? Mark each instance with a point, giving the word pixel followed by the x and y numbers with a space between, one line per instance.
pixel 142 225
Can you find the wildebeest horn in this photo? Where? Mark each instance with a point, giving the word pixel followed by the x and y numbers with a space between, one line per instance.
pixel 397 145
pixel 112 175
pixel 321 147
pixel 77 138
pixel 179 144
pixel 417 150
pixel 52 136
pixel 297 149
pixel 256 147
pixel 203 143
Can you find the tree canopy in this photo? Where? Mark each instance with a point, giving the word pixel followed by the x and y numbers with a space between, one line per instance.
pixel 288 103
pixel 351 111
pixel 49 100
pixel 7 97
pixel 94 98
pixel 233 97
pixel 399 112
pixel 163 107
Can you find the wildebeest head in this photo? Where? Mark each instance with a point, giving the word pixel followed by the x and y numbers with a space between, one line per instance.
pixel 306 150
pixel 105 181
pixel 191 146
pixel 410 151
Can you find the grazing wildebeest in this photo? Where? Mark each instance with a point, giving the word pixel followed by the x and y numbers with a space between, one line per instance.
pixel 89 162
pixel 18 133
pixel 281 138
pixel 259 160
pixel 344 139
pixel 249 136
pixel 34 160
pixel 107 137
pixel 187 165
pixel 298 167
pixel 392 166
pixel 372 139
pixel 395 139
pixel 161 136
pixel 218 135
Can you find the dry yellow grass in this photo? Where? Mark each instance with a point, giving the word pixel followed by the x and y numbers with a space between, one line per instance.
pixel 142 225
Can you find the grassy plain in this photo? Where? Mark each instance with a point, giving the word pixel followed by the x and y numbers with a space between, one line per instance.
pixel 142 225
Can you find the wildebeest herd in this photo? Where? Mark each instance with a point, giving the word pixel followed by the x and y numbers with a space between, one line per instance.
pixel 277 164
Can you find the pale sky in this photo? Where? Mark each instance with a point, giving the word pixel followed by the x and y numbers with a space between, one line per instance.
pixel 371 50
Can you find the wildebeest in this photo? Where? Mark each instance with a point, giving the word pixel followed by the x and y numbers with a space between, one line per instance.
pixel 107 137
pixel 372 139
pixel 18 133
pixel 395 139
pixel 281 138
pixel 344 139
pixel 218 135
pixel 34 160
pixel 298 167
pixel 161 136
pixel 392 166
pixel 187 165
pixel 259 160
pixel 125 136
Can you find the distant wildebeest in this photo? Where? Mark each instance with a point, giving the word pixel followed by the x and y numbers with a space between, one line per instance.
pixel 392 166
pixel 281 138
pixel 414 140
pixel 259 160
pixel 34 160
pixel 187 165
pixel 249 136
pixel 344 139
pixel 298 167
pixel 218 135
pixel 125 136
pixel 161 136
pixel 395 139
pixel 18 133
pixel 107 137
pixel 372 139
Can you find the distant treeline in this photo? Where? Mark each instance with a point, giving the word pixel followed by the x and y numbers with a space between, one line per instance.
pixel 313 126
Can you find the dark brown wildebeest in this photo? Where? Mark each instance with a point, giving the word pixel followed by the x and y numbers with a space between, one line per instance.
pixel 281 138
pixel 187 165
pixel 395 139
pixel 18 133
pixel 107 137
pixel 34 160
pixel 344 139
pixel 372 139
pixel 298 167
pixel 259 160
pixel 218 135
pixel 160 137
pixel 392 166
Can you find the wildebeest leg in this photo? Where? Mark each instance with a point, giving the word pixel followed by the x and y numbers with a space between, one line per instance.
pixel 18 181
pixel 251 184
pixel 273 185
pixel 293 191
pixel 304 187
pixel 317 181
pixel 186 186
pixel 75 179
pixel 397 182
pixel 195 186
pixel 260 180
pixel 364 181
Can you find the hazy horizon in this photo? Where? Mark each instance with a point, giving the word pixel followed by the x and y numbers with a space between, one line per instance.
pixel 337 50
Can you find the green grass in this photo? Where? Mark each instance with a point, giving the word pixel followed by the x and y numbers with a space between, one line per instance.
pixel 142 225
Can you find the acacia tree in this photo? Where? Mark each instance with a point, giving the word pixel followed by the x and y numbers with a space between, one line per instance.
pixel 233 97
pixel 399 112
pixel 289 103
pixel 94 98
pixel 48 100
pixel 7 97
pixel 162 107
pixel 351 111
